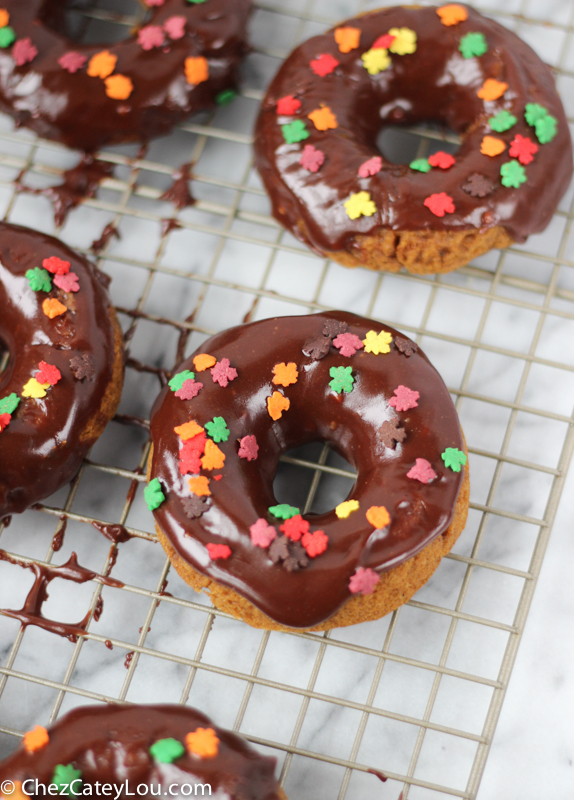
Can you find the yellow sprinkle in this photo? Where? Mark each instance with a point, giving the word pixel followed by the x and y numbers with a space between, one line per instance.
pixel 377 343
pixel 377 60
pixel 405 41
pixel 359 204
pixel 344 509
pixel 34 389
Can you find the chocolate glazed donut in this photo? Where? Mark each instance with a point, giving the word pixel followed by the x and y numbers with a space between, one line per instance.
pixel 183 60
pixel 166 746
pixel 274 385
pixel 64 375
pixel 316 151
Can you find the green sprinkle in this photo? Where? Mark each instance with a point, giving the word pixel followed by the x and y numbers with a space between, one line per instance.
pixel 217 429
pixel 421 165
pixel 225 97
pixel 284 511
pixel 473 44
pixel 342 379
pixel 178 380
pixel 196 2
pixel 513 174
pixel 9 404
pixel 502 121
pixel 454 458
pixel 545 128
pixel 39 279
pixel 295 131
pixel 153 494
pixel 533 112
pixel 7 36
pixel 65 776
pixel 166 751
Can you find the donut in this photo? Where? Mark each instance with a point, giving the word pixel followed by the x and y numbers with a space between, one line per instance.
pixel 182 60
pixel 64 372
pixel 253 392
pixel 137 746
pixel 329 185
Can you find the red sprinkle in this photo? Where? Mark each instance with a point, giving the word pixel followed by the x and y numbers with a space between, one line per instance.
pixel 48 374
pixel 218 551
pixel 442 160
pixel 217 477
pixel 56 266
pixel 4 421
pixel 324 64
pixel 288 105
pixel 295 527
pixel 190 461
pixel 315 543
pixel 440 204
pixel 248 448
pixel 383 42
pixel 523 149
pixel 197 443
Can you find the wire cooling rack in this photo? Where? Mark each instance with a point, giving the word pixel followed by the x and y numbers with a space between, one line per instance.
pixel 416 695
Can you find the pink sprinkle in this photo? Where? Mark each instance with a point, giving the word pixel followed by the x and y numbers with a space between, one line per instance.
pixel 72 61
pixel 218 551
pixel 347 344
pixel 222 372
pixel 151 3
pixel 383 42
pixel 4 421
pixel 24 51
pixel 363 581
pixel 55 265
pixel 323 64
pixel 288 105
pixel 189 389
pixel 151 36
pixel 315 543
pixel 371 167
pixel 248 448
pixel 175 27
pixel 404 399
pixel 262 534
pixel 48 374
pixel 67 282
pixel 422 471
pixel 311 158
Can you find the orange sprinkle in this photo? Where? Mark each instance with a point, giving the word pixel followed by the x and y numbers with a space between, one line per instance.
pixel 188 430
pixel 347 38
pixel 323 118
pixel 492 89
pixel 4 18
pixel 285 374
pixel 213 458
pixel 102 64
pixel 378 516
pixel 277 404
pixel 491 146
pixel 35 739
pixel 53 308
pixel 16 794
pixel 203 743
pixel 118 87
pixel 452 14
pixel 203 361
pixel 196 70
pixel 200 486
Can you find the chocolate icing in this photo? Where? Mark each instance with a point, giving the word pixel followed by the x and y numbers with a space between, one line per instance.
pixel 435 83
pixel 74 108
pixel 349 422
pixel 44 444
pixel 110 744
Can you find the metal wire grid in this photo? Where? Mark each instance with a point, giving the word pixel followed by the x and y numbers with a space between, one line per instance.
pixel 331 735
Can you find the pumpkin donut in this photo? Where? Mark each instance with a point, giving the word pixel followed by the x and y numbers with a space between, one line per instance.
pixel 315 140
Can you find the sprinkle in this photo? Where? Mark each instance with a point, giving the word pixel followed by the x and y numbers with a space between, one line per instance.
pixel 359 204
pixel 288 105
pixel 218 551
pixel 217 429
pixel 196 443
pixel 363 581
pixel 371 167
pixel 214 458
pixel 440 204
pixel 9 404
pixel 223 372
pixel 347 38
pixel 151 36
pixel 513 174
pixel 534 112
pixel 546 129
pixel 492 89
pixel 153 494
pixel 405 346
pixel 180 378
pixel 203 742
pixel 523 149
pixel 378 343
pixel 203 361
pixel 34 389
pixel 48 374
pixel 315 543
pixel 422 471
pixel 442 160
pixel 64 776
pixel 188 430
pixel 502 121
pixel 324 64
pixel 225 97
pixel 405 41
pixel 491 146
pixel 53 308
pixel 200 486
pixel 35 739
pixel 285 374
pixel 311 158
pixel 376 60
pixel 421 165
pixel 166 751
pixel 67 283
pixel 83 367
pixel 390 433
pixel 477 185
pixel 4 17
pixel 118 87
pixel 196 70
pixel 323 119
pixel 454 458
pixel 295 131
pixel 195 506
pixel 317 347
pixel 262 533
pixel 383 42
pixel 175 27
pixel 189 389
pixel 347 344
pixel 277 404
pixel 24 51
pixel 452 14
pixel 4 421
pixel 473 44
pixel 72 61
pixel 295 527
pixel 102 64
pixel 347 507
pixel 56 266
pixel 404 398
pixel 283 511
pixel 7 36
pixel 39 280
pixel 378 517
pixel 189 460
pixel 248 448
pixel 151 3
pixel 342 379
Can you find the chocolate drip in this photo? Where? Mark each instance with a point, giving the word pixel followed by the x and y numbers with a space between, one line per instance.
pixel 115 533
pixel 99 244
pixel 178 193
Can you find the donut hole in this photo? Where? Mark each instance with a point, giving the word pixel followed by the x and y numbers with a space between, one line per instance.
pixel 314 478
pixel 101 22
pixel 401 145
